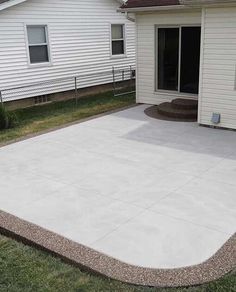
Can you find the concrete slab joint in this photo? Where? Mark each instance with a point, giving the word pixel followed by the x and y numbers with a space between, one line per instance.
pixel 127 196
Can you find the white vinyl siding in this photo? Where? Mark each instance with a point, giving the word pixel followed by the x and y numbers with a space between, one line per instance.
pixel 146 51
pixel 218 91
pixel 79 36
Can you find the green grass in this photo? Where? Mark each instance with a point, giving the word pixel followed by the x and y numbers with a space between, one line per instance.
pixel 24 269
pixel 39 118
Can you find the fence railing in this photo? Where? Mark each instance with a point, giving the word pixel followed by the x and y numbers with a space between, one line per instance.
pixel 120 75
pixel 122 80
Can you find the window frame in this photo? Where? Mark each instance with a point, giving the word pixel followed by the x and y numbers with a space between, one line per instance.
pixel 124 41
pixel 46 29
pixel 176 92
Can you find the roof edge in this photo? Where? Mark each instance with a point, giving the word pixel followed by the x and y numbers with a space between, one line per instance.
pixel 205 2
pixel 10 3
pixel 183 4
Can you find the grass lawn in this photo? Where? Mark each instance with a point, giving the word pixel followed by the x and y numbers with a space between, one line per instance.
pixel 24 269
pixel 39 118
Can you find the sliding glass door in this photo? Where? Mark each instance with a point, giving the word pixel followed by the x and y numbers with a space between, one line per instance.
pixel 190 59
pixel 168 58
pixel 178 58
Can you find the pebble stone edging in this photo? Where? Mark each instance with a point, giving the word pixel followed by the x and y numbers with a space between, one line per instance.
pixel 218 265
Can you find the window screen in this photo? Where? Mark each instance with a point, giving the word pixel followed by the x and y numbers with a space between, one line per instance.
pixel 38 44
pixel 117 36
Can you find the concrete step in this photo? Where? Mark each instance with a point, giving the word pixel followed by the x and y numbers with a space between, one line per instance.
pixel 167 109
pixel 184 104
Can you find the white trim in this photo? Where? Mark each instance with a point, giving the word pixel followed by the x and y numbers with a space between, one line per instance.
pixel 157 90
pixel 176 93
pixel 180 58
pixel 153 8
pixel 199 5
pixel 203 3
pixel 137 63
pixel 235 79
pixel 40 64
pixel 201 65
pixel 124 40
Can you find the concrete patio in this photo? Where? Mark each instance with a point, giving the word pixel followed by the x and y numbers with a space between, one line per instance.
pixel 147 192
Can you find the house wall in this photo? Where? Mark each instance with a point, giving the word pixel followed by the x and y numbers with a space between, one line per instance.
pixel 79 34
pixel 146 63
pixel 218 84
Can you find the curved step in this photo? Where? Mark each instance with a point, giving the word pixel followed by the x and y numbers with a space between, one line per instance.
pixel 167 109
pixel 184 104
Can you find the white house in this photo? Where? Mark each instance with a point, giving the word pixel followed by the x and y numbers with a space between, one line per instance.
pixel 42 40
pixel 187 49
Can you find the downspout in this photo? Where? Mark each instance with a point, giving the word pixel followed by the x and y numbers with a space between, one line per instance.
pixel 126 12
pixel 128 17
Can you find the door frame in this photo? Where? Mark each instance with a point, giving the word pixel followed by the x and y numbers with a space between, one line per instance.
pixel 178 92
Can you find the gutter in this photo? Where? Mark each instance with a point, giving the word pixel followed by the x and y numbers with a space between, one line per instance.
pixel 205 2
pixel 184 4
pixel 152 8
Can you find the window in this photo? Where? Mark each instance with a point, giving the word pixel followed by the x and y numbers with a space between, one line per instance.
pixel 178 58
pixel 117 39
pixel 38 44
